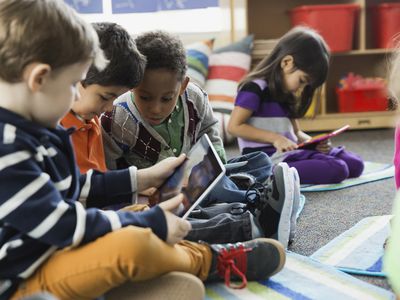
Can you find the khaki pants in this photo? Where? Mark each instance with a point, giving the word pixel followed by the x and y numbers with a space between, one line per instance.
pixel 131 253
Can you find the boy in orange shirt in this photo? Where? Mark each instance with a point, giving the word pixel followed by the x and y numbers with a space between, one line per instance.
pixel 98 91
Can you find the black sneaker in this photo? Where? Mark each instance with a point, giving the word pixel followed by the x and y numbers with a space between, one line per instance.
pixel 257 259
pixel 272 204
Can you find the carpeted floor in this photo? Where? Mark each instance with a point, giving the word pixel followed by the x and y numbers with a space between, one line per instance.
pixel 328 214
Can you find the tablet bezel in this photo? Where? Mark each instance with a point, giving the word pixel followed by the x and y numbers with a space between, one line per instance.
pixel 206 140
pixel 178 176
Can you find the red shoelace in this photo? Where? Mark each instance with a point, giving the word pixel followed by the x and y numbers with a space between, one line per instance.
pixel 233 260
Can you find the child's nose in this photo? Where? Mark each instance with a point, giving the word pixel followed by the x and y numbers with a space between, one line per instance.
pixel 156 108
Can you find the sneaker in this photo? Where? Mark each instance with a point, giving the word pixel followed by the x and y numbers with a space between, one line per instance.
pixel 242 180
pixel 173 285
pixel 296 203
pixel 274 204
pixel 257 259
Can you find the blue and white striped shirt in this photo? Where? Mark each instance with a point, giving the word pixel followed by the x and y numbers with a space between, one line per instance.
pixel 46 205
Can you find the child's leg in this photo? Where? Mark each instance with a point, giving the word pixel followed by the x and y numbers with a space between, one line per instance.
pixel 391 262
pixel 131 253
pixel 318 168
pixel 223 223
pixel 353 161
pixel 259 165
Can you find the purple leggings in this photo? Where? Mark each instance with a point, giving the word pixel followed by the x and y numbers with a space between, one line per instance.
pixel 315 167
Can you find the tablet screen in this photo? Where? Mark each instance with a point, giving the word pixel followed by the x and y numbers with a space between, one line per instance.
pixel 194 178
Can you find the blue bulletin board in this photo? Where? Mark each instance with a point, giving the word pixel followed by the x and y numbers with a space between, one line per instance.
pixel 87 6
pixel 140 6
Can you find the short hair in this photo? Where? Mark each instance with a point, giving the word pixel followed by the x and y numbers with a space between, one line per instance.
pixel 45 31
pixel 163 51
pixel 126 64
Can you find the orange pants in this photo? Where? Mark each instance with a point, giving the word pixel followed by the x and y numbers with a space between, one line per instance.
pixel 131 253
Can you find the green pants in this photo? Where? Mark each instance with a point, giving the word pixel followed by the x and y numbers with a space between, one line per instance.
pixel 392 255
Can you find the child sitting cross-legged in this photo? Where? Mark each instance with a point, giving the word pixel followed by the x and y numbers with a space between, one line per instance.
pixel 274 95
pixel 50 239
pixel 166 114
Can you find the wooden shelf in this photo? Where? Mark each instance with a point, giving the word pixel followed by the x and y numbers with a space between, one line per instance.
pixel 365 52
pixel 268 20
pixel 365 120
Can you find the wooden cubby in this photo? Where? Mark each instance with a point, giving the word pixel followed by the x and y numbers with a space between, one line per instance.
pixel 269 19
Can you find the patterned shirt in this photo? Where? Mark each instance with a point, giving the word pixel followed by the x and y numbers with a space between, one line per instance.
pixel 171 129
pixel 130 140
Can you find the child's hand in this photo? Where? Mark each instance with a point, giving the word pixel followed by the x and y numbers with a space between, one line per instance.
pixel 177 227
pixel 283 144
pixel 302 136
pixel 157 174
pixel 324 146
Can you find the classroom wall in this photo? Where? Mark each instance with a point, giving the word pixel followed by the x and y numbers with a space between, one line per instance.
pixel 191 25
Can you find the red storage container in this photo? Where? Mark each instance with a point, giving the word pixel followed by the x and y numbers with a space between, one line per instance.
pixel 386 22
pixel 359 100
pixel 334 22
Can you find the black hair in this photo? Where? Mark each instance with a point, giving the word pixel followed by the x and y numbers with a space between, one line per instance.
pixel 310 55
pixel 163 51
pixel 126 64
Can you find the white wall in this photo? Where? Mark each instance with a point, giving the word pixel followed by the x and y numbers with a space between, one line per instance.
pixel 191 25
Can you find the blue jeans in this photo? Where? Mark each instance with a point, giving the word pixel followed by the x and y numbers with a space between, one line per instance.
pixel 258 165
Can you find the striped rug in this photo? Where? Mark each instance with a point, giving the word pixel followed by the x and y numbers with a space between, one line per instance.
pixel 373 171
pixel 358 250
pixel 302 278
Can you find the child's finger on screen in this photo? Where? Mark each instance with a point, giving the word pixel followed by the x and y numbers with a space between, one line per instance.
pixel 172 203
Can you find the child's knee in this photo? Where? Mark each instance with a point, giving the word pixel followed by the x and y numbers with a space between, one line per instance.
pixel 339 170
pixel 131 242
pixel 356 167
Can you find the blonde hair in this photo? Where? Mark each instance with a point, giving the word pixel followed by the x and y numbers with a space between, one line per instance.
pixel 45 31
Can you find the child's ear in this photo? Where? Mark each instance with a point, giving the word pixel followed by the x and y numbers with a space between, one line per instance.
pixel 287 63
pixel 185 82
pixel 36 74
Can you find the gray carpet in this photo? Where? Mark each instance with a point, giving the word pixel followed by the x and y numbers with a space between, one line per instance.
pixel 328 214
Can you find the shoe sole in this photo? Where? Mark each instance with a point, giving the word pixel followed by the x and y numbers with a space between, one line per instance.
pixel 171 286
pixel 281 250
pixel 296 203
pixel 286 213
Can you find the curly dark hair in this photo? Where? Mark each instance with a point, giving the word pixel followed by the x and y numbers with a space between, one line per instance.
pixel 126 64
pixel 163 51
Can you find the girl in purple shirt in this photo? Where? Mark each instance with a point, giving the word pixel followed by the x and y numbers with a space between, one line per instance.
pixel 277 92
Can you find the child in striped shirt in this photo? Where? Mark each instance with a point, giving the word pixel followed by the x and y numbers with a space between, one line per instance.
pixel 53 237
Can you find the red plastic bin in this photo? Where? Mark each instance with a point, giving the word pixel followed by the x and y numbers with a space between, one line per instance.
pixel 335 23
pixel 359 100
pixel 386 21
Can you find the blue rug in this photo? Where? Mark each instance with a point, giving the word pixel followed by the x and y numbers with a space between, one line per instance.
pixel 302 278
pixel 358 250
pixel 372 172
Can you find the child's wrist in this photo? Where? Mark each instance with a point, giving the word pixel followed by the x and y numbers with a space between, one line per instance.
pixel 143 179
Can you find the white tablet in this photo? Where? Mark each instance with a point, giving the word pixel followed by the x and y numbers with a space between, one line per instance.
pixel 195 178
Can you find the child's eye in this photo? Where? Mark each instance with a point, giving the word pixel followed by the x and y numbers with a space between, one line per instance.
pixel 166 99
pixel 144 98
pixel 103 98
